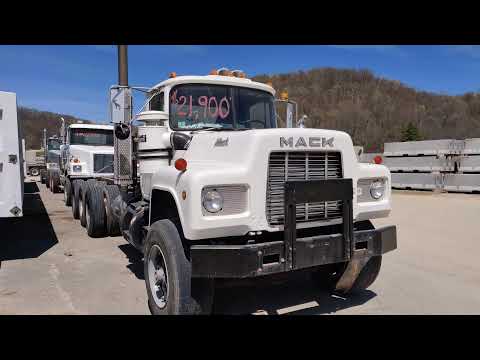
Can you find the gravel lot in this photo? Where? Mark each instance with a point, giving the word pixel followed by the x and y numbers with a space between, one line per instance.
pixel 50 266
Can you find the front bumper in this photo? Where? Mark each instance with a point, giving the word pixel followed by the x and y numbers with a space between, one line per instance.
pixel 244 261
pixel 241 261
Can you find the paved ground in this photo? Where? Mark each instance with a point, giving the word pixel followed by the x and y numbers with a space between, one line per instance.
pixel 50 266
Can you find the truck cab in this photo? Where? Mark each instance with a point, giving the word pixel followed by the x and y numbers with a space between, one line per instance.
pixel 88 151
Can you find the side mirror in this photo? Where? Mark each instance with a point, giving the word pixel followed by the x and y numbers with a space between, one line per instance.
pixel 122 131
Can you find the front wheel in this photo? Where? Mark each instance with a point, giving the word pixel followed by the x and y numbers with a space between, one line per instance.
pixel 168 275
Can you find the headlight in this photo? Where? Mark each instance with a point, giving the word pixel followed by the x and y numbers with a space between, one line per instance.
pixel 77 168
pixel 212 201
pixel 377 189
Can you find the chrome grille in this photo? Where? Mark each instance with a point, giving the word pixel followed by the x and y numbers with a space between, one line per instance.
pixel 301 165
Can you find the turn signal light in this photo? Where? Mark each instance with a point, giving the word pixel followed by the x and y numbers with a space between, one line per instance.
pixel 76 160
pixel 378 159
pixel 181 164
pixel 214 72
pixel 172 74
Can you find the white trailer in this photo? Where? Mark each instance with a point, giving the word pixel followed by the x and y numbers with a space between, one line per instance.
pixel 11 158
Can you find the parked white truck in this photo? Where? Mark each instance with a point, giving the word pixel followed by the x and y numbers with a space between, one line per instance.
pixel 51 156
pixel 207 187
pixel 86 154
pixel 11 158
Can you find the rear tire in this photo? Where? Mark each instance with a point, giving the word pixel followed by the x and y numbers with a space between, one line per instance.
pixel 110 193
pixel 95 211
pixel 168 275
pixel 77 184
pixel 47 179
pixel 67 192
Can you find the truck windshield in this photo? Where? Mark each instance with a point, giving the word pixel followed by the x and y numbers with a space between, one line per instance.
pixel 197 106
pixel 54 144
pixel 93 137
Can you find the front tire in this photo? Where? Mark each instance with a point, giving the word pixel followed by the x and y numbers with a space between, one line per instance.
pixel 368 275
pixel 77 184
pixel 95 211
pixel 55 185
pixel 168 274
pixel 47 179
pixel 67 192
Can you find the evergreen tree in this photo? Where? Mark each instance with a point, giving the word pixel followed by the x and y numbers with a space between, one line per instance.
pixel 411 133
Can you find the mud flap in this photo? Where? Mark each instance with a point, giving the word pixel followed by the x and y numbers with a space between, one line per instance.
pixel 354 268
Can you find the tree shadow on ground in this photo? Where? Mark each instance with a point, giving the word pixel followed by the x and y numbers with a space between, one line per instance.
pixel 31 235
pixel 135 258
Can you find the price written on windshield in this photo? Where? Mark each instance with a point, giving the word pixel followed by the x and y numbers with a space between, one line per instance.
pixel 211 105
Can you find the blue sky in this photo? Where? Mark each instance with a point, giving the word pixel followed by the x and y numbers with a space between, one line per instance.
pixel 75 79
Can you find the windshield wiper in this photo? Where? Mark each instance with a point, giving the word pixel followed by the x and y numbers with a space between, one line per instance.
pixel 217 129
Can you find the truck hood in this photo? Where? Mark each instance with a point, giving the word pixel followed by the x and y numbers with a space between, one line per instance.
pixel 243 148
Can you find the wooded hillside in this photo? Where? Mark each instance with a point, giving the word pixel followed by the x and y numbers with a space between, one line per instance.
pixel 34 121
pixel 374 110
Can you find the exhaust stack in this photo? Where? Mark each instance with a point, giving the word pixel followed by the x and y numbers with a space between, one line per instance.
pixel 121 115
pixel 122 65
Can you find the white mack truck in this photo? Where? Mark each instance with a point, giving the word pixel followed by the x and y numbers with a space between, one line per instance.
pixel 12 169
pixel 207 187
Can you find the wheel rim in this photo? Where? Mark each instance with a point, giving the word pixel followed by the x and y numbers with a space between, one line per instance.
pixel 157 276
pixel 65 193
